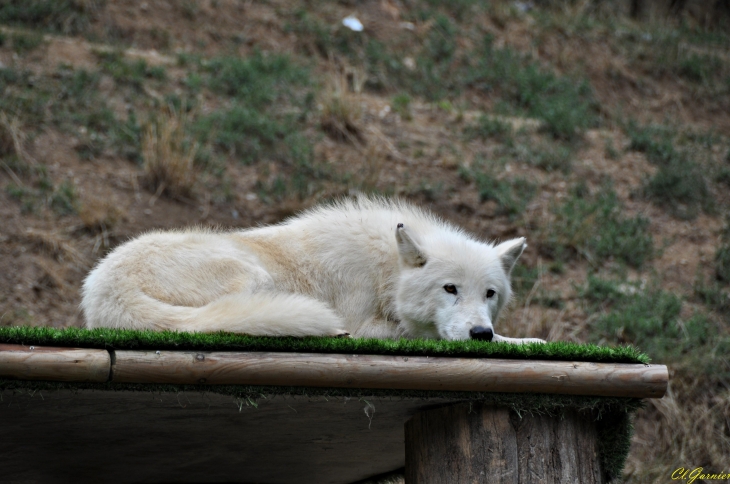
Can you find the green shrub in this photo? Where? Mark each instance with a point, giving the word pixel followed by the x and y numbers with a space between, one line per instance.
pixel 64 199
pixel 679 183
pixel 565 106
pixel 657 142
pixel 699 68
pixel 595 228
pixel 129 72
pixel 23 43
pixel 402 105
pixel 511 195
pixel 456 8
pixel 722 255
pixel 488 127
pixel 64 16
pixel 256 81
pixel 442 70
pixel 243 132
pixel 552 157
pixel 650 319
pixel 714 296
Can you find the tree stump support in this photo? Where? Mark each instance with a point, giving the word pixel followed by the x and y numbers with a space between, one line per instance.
pixel 487 444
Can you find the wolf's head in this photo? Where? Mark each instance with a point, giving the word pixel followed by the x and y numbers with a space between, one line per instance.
pixel 450 286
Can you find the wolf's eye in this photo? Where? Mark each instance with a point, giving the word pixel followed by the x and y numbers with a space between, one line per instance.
pixel 490 294
pixel 450 288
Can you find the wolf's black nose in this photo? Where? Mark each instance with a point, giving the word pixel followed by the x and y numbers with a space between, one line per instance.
pixel 480 332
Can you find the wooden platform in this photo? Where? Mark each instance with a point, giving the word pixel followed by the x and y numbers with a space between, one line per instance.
pixel 176 426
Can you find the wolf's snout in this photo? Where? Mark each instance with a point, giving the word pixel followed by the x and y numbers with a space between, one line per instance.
pixel 480 332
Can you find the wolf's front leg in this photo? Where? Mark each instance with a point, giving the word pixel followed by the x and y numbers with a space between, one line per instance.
pixel 505 339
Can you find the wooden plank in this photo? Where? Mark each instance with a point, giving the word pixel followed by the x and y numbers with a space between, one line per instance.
pixel 85 436
pixel 392 372
pixel 55 364
pixel 485 444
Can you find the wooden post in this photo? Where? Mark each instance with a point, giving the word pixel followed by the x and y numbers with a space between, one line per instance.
pixel 486 444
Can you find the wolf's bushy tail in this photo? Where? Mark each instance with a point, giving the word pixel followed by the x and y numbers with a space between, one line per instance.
pixel 256 314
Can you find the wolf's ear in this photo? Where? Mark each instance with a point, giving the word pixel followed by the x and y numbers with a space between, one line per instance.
pixel 410 253
pixel 509 251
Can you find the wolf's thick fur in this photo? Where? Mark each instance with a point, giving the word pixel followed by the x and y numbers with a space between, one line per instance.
pixel 370 268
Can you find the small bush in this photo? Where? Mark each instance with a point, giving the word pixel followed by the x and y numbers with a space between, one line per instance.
pixel 654 141
pixel 595 228
pixel 679 183
pixel 723 176
pixel 565 106
pixel 245 133
pixel 698 68
pixel 552 157
pixel 257 81
pixel 64 200
pixel 511 196
pixel 402 106
pixel 650 318
pixel 456 8
pixel 488 127
pixel 23 43
pixel 714 296
pixel 69 17
pixel 722 255
pixel 130 72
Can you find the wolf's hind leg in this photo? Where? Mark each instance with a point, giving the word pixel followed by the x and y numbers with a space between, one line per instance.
pixel 267 314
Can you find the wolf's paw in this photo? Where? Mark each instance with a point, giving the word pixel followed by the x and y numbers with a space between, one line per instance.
pixel 531 340
pixel 341 333
pixel 517 341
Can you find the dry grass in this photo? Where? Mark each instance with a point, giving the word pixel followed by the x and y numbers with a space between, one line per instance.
pixel 12 139
pixel 341 113
pixel 169 155
pixel 686 428
pixel 53 244
pixel 99 215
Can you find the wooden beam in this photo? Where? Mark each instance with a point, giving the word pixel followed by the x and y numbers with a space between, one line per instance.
pixel 55 364
pixel 391 372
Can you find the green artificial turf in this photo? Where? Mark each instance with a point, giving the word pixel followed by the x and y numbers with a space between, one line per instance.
pixel 119 339
pixel 613 414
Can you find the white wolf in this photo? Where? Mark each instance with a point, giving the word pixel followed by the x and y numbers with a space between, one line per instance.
pixel 368 268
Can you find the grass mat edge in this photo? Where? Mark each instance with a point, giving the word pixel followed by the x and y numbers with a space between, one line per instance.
pixel 125 339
